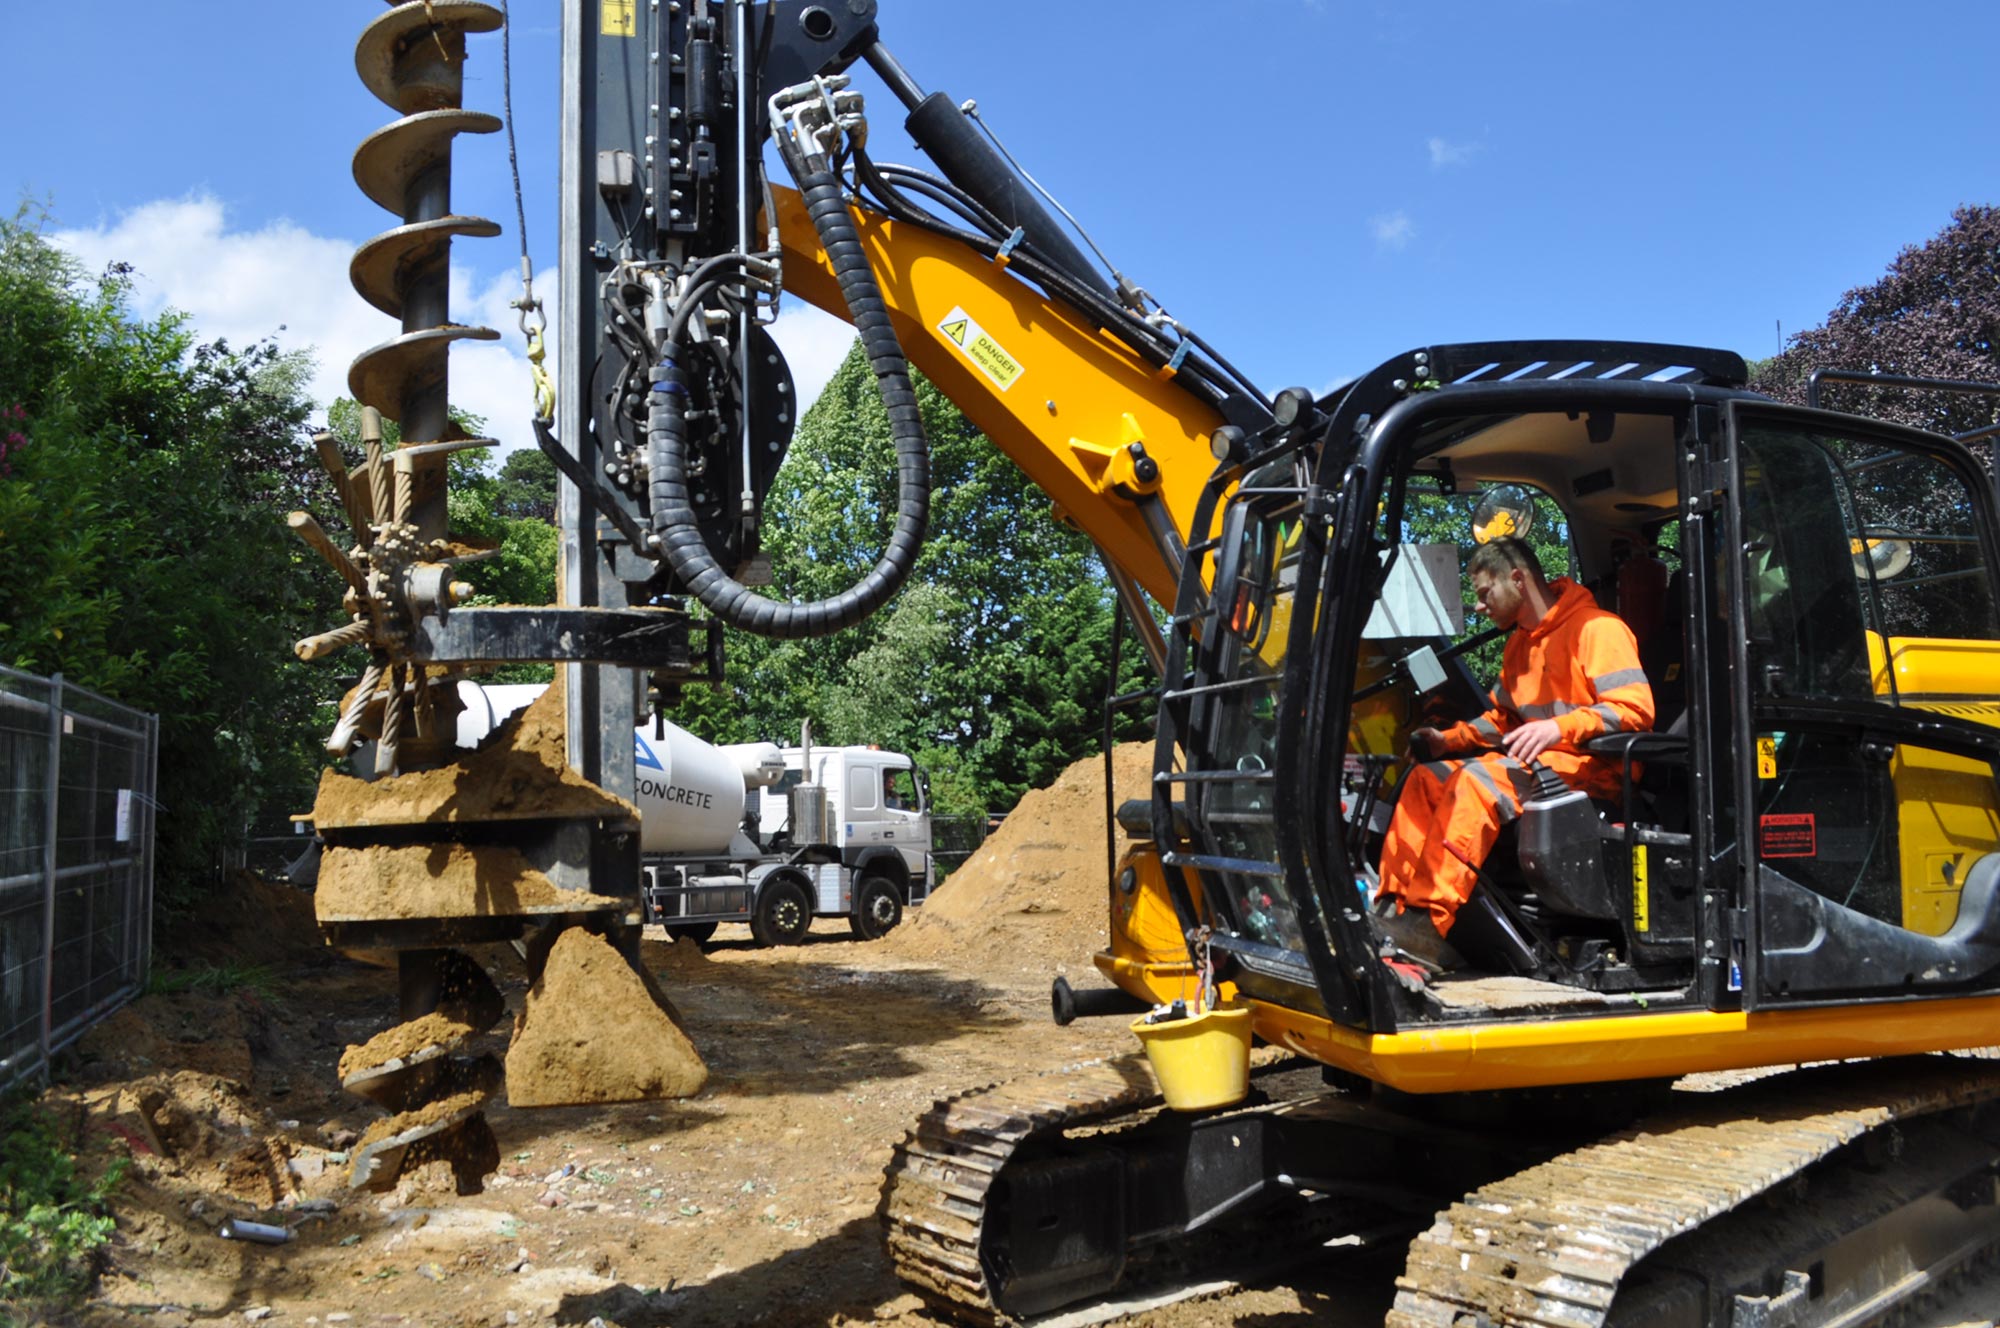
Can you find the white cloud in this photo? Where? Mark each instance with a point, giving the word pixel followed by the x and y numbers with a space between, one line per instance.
pixel 1392 230
pixel 1445 154
pixel 814 343
pixel 284 282
pixel 289 284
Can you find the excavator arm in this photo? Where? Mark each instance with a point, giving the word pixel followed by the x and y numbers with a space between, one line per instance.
pixel 1077 409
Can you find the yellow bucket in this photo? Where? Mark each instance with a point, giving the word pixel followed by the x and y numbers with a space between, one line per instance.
pixel 1202 1062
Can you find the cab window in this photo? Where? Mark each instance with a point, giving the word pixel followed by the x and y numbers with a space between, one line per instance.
pixel 1864 577
pixel 1865 580
pixel 899 790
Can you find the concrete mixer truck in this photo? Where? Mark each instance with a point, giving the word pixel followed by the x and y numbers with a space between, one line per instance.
pixel 758 833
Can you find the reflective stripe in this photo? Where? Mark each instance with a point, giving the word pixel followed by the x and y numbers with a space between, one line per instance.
pixel 1485 727
pixel 1505 801
pixel 1440 770
pixel 1555 710
pixel 1613 722
pixel 1502 701
pixel 1620 678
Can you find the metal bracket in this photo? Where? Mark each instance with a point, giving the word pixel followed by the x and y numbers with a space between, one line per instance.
pixel 655 639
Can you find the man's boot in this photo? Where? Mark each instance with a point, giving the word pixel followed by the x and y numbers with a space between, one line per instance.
pixel 1412 932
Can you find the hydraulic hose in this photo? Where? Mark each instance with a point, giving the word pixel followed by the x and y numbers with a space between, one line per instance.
pixel 674 521
pixel 1108 314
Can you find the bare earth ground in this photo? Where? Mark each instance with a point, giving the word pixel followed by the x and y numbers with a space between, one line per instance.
pixel 751 1203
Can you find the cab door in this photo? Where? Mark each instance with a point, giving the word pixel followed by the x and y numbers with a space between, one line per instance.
pixel 1865 698
pixel 907 822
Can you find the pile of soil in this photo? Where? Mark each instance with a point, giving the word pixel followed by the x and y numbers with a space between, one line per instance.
pixel 1033 898
pixel 593 1031
pixel 518 772
pixel 245 921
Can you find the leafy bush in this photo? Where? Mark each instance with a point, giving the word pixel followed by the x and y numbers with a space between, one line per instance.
pixel 143 550
pixel 52 1217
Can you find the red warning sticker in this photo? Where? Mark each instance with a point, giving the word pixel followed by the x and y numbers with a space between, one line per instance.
pixel 1789 836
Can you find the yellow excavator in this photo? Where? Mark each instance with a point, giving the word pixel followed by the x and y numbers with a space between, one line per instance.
pixel 1695 1069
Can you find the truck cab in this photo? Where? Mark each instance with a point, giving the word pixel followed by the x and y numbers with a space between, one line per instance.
pixel 842 832
pixel 877 820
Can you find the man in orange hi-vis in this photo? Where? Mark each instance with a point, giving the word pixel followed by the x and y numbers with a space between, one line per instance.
pixel 1570 672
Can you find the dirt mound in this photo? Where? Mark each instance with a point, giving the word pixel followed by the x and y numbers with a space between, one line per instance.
pixel 244 921
pixel 592 1030
pixel 1033 896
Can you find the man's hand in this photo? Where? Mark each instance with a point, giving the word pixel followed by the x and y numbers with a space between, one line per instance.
pixel 1530 740
pixel 1426 743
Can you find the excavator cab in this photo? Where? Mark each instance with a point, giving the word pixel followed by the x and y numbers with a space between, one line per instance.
pixel 1797 863
pixel 1812 820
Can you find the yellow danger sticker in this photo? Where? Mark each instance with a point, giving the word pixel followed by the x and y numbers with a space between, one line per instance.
pixel 984 352
pixel 619 18
pixel 1642 904
pixel 1767 758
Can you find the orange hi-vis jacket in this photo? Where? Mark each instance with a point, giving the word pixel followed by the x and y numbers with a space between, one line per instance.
pixel 1578 666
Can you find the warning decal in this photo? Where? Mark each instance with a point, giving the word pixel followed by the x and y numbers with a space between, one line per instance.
pixel 619 18
pixel 1788 836
pixel 1767 757
pixel 1642 913
pixel 984 352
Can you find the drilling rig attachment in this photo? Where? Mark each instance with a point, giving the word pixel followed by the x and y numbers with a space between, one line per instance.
pixel 430 848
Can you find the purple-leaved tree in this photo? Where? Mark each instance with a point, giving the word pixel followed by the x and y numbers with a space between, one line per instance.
pixel 1934 314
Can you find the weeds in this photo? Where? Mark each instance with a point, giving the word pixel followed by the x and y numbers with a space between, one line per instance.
pixel 52 1218
pixel 216 980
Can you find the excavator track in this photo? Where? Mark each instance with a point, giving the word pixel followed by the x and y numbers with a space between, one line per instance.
pixel 1629 1230
pixel 940 1177
pixel 1556 1245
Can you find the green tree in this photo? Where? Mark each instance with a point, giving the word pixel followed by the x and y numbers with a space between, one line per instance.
pixel 526 488
pixel 143 551
pixel 989 667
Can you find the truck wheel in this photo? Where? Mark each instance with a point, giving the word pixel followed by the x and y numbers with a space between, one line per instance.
pixel 784 913
pixel 878 907
pixel 698 932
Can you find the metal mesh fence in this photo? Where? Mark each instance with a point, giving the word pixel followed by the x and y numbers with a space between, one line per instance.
pixel 76 864
pixel 953 840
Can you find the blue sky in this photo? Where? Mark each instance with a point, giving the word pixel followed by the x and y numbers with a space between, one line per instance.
pixel 1314 185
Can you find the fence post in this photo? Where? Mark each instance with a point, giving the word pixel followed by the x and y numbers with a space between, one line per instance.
pixel 151 805
pixel 52 826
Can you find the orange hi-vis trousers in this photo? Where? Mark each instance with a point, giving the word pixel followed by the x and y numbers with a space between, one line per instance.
pixel 1579 667
pixel 1447 818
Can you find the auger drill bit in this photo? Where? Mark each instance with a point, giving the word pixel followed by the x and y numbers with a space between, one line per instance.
pixel 429 847
pixel 434 1096
pixel 401 568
